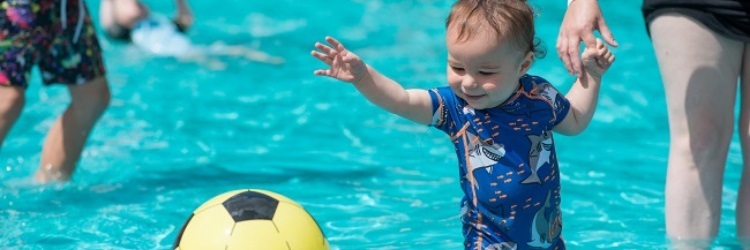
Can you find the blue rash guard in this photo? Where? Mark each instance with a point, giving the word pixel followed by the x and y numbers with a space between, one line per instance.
pixel 508 166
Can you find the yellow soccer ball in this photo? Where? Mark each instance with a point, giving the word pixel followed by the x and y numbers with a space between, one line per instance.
pixel 250 219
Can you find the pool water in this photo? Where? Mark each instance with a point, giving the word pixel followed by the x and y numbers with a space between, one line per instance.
pixel 179 132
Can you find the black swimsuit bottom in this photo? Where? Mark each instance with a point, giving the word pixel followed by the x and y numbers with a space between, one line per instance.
pixel 730 18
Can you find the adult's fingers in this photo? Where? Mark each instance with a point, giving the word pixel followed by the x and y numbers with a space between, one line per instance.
pixel 606 33
pixel 574 57
pixel 589 39
pixel 562 52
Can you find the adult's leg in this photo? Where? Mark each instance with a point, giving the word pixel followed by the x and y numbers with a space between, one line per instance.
pixel 11 103
pixel 699 69
pixel 68 134
pixel 743 199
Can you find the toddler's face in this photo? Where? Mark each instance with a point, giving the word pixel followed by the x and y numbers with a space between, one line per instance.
pixel 484 70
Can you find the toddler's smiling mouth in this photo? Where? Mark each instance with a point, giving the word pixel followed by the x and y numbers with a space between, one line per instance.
pixel 473 97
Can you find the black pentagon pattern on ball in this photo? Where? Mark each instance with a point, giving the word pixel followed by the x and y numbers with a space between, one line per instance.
pixel 251 206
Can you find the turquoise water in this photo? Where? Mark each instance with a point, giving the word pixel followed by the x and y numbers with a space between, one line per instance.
pixel 179 132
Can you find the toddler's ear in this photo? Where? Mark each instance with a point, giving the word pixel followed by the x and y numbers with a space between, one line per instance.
pixel 526 62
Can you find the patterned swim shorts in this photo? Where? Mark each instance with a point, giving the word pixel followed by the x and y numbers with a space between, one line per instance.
pixel 58 35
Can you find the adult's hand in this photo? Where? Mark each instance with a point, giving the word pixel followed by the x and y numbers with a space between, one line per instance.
pixel 579 23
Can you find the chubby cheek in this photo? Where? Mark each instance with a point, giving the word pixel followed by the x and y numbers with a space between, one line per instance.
pixel 490 87
pixel 454 80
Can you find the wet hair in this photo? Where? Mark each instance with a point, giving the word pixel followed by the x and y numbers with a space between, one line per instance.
pixel 513 19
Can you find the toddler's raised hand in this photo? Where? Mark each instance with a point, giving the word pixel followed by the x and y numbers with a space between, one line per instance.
pixel 345 65
pixel 597 60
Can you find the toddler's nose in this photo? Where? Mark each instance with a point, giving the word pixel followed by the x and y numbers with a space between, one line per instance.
pixel 468 82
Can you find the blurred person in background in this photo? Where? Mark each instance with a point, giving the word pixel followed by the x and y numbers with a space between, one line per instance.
pixel 60 38
pixel 132 21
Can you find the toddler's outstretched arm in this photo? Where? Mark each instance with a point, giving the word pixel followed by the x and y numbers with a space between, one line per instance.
pixel 412 104
pixel 584 94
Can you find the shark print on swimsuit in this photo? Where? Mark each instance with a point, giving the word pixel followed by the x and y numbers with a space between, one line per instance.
pixel 539 154
pixel 549 93
pixel 547 224
pixel 482 151
pixel 502 246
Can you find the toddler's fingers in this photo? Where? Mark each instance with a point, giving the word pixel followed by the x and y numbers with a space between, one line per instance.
pixel 589 54
pixel 606 62
pixel 607 55
pixel 320 56
pixel 600 51
pixel 323 47
pixel 322 72
pixel 335 43
pixel 601 56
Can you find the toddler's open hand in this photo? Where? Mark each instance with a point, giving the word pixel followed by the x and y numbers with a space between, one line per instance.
pixel 596 61
pixel 345 65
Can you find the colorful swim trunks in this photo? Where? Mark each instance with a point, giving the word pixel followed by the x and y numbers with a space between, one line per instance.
pixel 58 35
